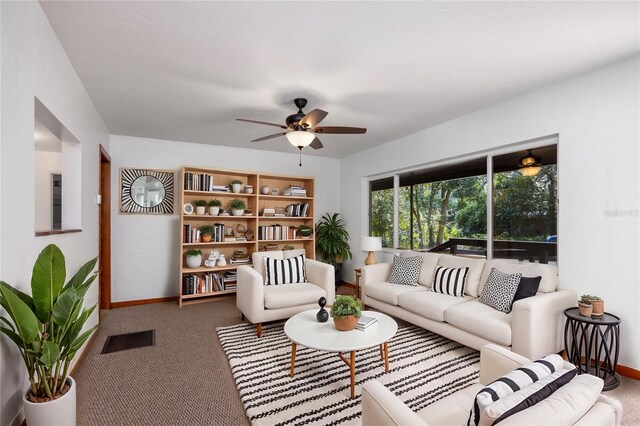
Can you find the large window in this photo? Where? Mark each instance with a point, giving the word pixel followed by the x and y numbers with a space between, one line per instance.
pixel 381 210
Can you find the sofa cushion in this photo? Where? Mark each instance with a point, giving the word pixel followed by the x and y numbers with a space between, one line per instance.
pixel 285 296
pixel 475 266
pixel 452 409
pixel 258 262
pixel 500 289
pixel 389 293
pixel 549 273
pixel 481 320
pixel 450 281
pixel 405 270
pixel 428 268
pixel 429 304
pixel 284 271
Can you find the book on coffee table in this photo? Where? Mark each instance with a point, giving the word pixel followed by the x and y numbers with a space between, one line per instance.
pixel 365 322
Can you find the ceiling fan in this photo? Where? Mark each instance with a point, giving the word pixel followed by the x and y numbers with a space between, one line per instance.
pixel 301 129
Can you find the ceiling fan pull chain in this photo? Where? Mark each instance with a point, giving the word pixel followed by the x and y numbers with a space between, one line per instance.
pixel 300 150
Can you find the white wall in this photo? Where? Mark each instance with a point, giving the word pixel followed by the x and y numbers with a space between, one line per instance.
pixel 46 164
pixel 596 116
pixel 145 247
pixel 35 65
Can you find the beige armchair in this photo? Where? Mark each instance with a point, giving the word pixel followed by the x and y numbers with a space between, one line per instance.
pixel 260 303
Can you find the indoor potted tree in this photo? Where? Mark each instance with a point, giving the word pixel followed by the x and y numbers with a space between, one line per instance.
pixel 584 305
pixel 345 312
pixel 46 327
pixel 214 207
pixel 332 241
pixel 236 186
pixel 237 207
pixel 200 205
pixel 206 233
pixel 194 258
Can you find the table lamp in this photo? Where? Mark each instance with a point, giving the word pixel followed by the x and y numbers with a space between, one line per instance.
pixel 370 244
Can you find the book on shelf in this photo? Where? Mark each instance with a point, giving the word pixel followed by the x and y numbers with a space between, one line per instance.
pixel 191 234
pixel 208 282
pixel 365 322
pixel 297 210
pixel 295 191
pixel 202 182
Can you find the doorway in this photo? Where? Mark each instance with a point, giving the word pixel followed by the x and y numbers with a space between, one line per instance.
pixel 104 251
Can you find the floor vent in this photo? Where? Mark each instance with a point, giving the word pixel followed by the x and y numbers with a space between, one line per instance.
pixel 122 342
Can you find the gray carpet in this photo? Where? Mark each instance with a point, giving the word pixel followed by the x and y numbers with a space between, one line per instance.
pixel 186 378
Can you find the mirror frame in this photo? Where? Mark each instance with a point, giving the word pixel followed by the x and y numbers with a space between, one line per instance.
pixel 129 206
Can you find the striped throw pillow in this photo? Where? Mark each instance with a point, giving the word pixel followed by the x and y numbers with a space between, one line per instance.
pixel 450 281
pixel 284 271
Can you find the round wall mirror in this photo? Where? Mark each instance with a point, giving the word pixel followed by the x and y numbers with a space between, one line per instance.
pixel 147 191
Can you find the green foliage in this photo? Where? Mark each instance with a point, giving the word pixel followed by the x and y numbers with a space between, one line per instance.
pixel 200 203
pixel 214 203
pixel 237 204
pixel 586 299
pixel 206 230
pixel 236 182
pixel 305 230
pixel 288 247
pixel 332 239
pixel 46 326
pixel 194 252
pixel 346 305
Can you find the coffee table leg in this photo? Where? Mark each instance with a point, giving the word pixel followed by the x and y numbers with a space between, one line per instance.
pixel 293 358
pixel 386 357
pixel 352 366
pixel 381 352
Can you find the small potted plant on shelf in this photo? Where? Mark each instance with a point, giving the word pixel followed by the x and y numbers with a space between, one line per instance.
pixel 214 207
pixel 200 205
pixel 194 258
pixel 598 306
pixel 287 247
pixel 584 305
pixel 237 207
pixel 345 312
pixel 236 186
pixel 206 233
pixel 305 231
pixel 47 330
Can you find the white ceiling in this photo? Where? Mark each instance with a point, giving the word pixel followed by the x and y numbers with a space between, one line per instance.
pixel 185 70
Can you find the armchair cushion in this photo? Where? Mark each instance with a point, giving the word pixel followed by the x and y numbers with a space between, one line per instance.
pixel 258 262
pixel 284 271
pixel 286 296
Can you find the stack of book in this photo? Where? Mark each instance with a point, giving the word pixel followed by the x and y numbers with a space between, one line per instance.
pixel 240 258
pixel 230 280
pixel 365 322
pixel 295 191
pixel 297 210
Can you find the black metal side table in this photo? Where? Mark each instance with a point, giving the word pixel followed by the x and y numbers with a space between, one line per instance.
pixel 592 345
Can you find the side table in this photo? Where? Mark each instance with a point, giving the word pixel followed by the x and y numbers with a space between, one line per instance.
pixel 592 345
pixel 358 272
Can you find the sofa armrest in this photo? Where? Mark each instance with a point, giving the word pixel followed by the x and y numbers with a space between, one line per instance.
pixel 323 275
pixel 250 293
pixel 376 273
pixel 538 323
pixel 496 361
pixel 381 407
pixel 603 412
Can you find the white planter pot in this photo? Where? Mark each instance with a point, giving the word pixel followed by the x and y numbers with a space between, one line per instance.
pixel 237 212
pixel 236 188
pixel 61 411
pixel 194 261
pixel 213 211
pixel 199 209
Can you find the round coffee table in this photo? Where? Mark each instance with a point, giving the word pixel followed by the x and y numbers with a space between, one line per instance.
pixel 303 329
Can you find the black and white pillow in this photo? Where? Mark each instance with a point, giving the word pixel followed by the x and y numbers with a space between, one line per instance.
pixel 528 287
pixel 284 271
pixel 499 290
pixel 450 281
pixel 405 270
pixel 512 382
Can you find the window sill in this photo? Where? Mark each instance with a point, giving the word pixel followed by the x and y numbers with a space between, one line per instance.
pixel 56 232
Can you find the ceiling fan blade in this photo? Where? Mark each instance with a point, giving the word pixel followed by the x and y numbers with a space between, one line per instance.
pixel 264 138
pixel 313 118
pixel 316 144
pixel 282 126
pixel 339 130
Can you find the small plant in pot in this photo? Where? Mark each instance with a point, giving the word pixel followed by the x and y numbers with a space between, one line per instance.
pixel 200 206
pixel 345 312
pixel 598 306
pixel 194 258
pixel 214 207
pixel 236 186
pixel 305 231
pixel 237 207
pixel 206 233
pixel 584 305
pixel 47 329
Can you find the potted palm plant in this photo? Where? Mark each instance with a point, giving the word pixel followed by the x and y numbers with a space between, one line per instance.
pixel 345 312
pixel 46 327
pixel 332 241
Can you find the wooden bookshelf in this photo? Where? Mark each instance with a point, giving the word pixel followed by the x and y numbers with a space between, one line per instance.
pixel 257 202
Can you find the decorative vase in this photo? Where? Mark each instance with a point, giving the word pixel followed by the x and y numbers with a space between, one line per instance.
pixel 236 188
pixel 222 261
pixel 199 209
pixel 248 189
pixel 206 238
pixel 265 190
pixel 61 410
pixel 598 307
pixel 346 323
pixel 194 262
pixel 322 315
pixel 585 310
pixel 237 212
pixel 213 211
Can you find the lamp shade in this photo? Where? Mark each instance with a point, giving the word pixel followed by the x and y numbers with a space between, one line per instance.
pixel 300 138
pixel 370 243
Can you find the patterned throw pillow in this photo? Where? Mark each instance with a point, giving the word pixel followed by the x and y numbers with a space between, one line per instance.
pixel 500 289
pixel 284 271
pixel 450 281
pixel 405 270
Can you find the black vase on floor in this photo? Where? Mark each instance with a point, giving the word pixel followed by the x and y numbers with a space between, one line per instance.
pixel 322 315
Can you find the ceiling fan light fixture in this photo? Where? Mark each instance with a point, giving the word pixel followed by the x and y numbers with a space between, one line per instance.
pixel 530 164
pixel 300 138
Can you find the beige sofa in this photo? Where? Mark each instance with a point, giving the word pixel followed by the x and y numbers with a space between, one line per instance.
pixel 533 328
pixel 578 402
pixel 261 303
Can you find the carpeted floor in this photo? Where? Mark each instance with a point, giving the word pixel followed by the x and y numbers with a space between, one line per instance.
pixel 185 378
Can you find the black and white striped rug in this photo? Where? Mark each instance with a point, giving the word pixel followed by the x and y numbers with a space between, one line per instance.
pixel 424 367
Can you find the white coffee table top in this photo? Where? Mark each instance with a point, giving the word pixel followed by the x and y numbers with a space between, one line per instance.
pixel 305 330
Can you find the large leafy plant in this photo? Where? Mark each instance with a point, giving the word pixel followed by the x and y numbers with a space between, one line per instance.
pixel 46 326
pixel 332 239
